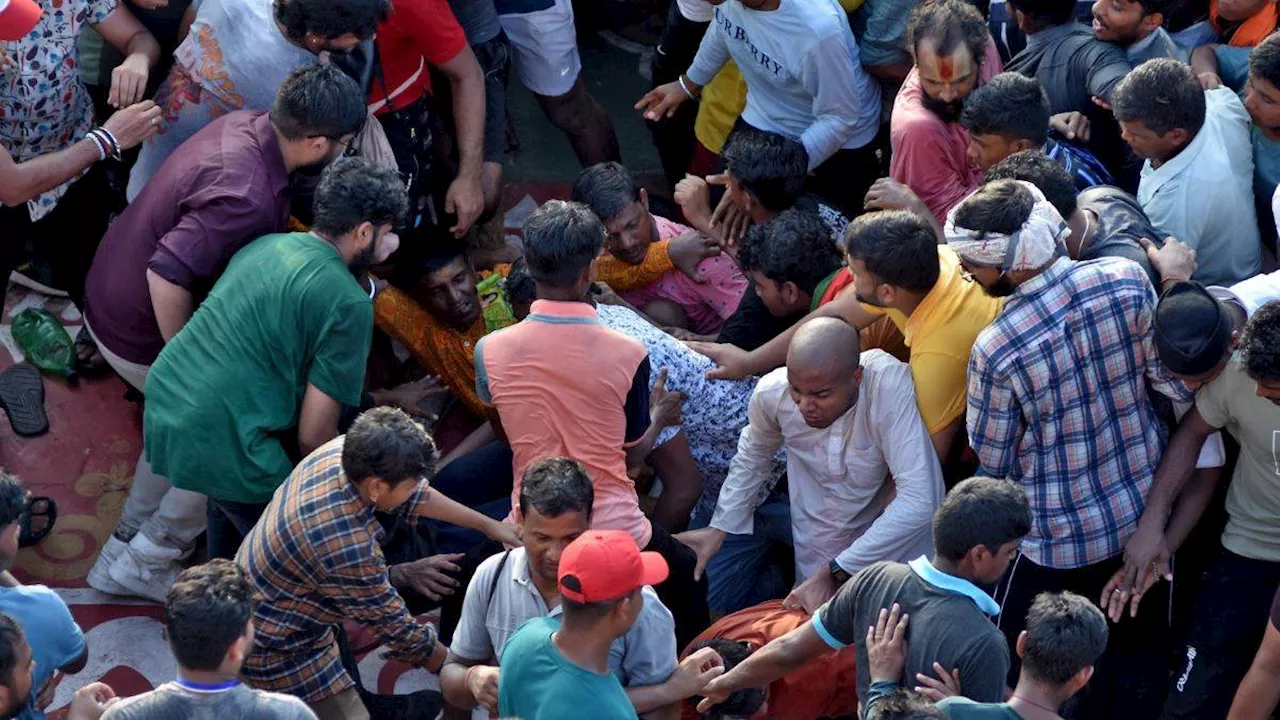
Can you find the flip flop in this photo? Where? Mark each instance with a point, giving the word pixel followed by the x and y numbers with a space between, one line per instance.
pixel 38 506
pixel 90 366
pixel 22 397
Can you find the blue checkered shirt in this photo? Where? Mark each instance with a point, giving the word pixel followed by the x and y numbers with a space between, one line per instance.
pixel 1058 403
pixel 1085 168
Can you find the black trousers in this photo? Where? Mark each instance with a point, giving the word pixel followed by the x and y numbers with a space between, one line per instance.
pixel 683 596
pixel 67 238
pixel 1230 616
pixel 845 178
pixel 1130 678
pixel 673 136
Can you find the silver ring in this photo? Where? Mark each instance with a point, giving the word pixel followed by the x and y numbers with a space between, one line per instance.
pixel 1115 592
pixel 155 121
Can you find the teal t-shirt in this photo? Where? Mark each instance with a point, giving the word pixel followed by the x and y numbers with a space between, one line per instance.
pixel 962 708
pixel 224 396
pixel 538 683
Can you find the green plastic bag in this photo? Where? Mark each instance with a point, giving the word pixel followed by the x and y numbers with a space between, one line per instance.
pixel 45 343
pixel 493 301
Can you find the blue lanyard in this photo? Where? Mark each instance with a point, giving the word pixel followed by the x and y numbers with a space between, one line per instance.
pixel 206 688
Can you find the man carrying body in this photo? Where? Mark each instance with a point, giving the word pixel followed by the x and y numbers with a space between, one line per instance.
pixel 1197 183
pixel 226 186
pixel 1240 393
pixel 1084 453
pixel 976 532
pixel 899 270
pixel 562 385
pixel 258 375
pixel 847 423
pixel 517 586
pixel 315 560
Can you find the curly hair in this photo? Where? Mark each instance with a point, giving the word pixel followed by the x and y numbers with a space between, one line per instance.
pixel 793 247
pixel 1260 344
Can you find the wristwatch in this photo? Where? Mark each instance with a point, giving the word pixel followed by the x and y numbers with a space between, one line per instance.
pixel 838 573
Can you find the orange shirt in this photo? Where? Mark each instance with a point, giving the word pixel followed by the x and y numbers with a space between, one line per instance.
pixel 1250 32
pixel 826 686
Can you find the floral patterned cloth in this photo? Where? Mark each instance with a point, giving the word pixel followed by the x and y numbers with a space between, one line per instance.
pixel 43 105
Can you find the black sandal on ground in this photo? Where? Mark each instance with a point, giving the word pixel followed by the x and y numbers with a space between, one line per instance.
pixel 22 397
pixel 38 506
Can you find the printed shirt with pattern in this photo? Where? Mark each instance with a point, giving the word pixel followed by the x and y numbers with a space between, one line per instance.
pixel 1058 404
pixel 711 417
pixel 44 107
pixel 315 560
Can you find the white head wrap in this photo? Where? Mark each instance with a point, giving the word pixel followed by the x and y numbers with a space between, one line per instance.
pixel 1030 247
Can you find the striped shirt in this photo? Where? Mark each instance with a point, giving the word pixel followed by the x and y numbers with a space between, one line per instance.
pixel 315 560
pixel 1058 404
pixel 1085 168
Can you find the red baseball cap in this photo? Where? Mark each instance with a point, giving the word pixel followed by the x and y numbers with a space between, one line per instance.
pixel 607 565
pixel 17 18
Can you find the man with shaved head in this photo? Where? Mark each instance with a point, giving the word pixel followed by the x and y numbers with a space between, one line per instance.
pixel 862 479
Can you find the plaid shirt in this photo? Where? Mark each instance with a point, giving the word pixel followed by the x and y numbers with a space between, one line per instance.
pixel 1085 168
pixel 315 560
pixel 1058 404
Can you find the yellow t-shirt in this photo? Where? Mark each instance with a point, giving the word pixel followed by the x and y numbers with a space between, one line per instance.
pixel 940 334
pixel 724 98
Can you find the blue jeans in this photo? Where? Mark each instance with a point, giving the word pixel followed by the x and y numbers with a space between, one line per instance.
pixel 482 481
pixel 750 569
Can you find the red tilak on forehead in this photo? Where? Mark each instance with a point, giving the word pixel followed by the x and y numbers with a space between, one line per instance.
pixel 946 69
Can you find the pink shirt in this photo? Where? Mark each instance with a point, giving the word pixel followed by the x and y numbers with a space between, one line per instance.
pixel 929 155
pixel 559 381
pixel 707 304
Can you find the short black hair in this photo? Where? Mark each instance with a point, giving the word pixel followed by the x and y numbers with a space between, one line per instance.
pixel 1264 60
pixel 331 20
pixel 13 499
pixel 1046 13
pixel 980 511
pixel 1163 94
pixel 793 247
pixel 999 206
pixel 519 287
pixel 1010 105
pixel 1163 7
pixel 1066 633
pixel 1044 172
pixel 555 486
pixel 1260 344
pixel 387 444
pixel 206 610
pixel 606 188
pixel 949 24
pixel 318 100
pixel 740 703
pixel 353 191
pixel 428 248
pixel 897 246
pixel 11 638
pixel 767 165
pixel 903 704
pixel 561 240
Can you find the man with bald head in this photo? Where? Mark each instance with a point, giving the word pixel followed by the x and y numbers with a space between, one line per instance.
pixel 863 480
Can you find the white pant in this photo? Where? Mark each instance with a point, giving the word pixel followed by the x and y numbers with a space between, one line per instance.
pixel 545 48
pixel 168 516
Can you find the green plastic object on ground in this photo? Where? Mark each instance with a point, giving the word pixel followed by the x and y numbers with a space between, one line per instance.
pixel 45 343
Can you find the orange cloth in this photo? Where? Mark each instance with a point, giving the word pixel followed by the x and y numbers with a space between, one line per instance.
pixel 442 351
pixel 623 277
pixel 1251 31
pixel 823 687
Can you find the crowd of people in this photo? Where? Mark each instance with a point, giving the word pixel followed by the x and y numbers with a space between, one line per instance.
pixel 948 327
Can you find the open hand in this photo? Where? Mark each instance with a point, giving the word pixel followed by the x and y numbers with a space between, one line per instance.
pixel 134 124
pixel 688 250
pixel 409 396
pixel 662 102
pixel 889 194
pixel 505 533
pixel 946 685
pixel 812 593
pixel 887 644
pixel 694 672
pixel 731 360
pixel 482 683
pixel 1174 260
pixel 705 543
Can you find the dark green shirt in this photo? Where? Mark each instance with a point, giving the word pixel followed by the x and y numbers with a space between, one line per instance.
pixel 226 391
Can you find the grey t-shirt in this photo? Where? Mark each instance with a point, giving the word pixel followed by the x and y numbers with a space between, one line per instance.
pixel 962 708
pixel 946 626
pixel 1121 226
pixel 241 702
